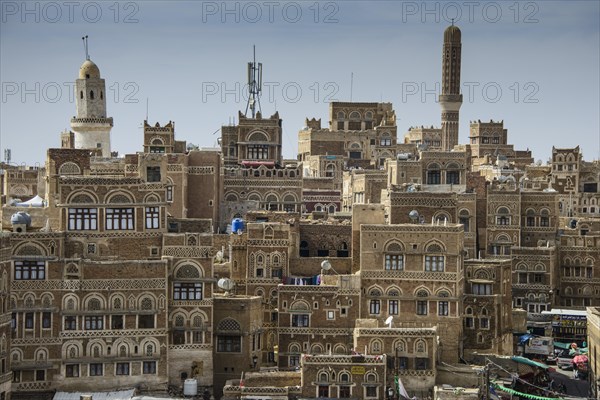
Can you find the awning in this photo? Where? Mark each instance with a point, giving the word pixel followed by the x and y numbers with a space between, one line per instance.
pixel 561 345
pixel 523 339
pixel 36 201
pixel 527 361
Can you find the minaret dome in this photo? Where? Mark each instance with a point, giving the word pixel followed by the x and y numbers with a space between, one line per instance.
pixel 452 34
pixel 89 70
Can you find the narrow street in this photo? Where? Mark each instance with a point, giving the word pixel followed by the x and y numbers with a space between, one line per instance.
pixel 575 387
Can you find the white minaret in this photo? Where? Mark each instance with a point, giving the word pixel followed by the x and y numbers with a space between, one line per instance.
pixel 90 126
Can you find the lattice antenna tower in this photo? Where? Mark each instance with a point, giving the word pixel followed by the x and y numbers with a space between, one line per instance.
pixel 254 85
pixel 85 47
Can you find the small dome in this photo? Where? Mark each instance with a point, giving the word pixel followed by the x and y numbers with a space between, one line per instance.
pixel 452 34
pixel 89 70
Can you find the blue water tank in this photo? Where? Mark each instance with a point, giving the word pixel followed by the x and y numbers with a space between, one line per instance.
pixel 21 217
pixel 237 225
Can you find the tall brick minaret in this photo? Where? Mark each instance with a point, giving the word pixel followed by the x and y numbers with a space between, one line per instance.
pixel 450 99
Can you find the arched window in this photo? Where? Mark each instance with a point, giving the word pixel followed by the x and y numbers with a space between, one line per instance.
pixel 323 377
pixel 503 216
pixel 545 218
pixel 369 120
pixel 433 174
pixel 330 171
pixel 464 218
pixel 376 346
pixel 69 168
pixel 343 250
pixel 375 302
pixel 344 377
pixel 289 203
pixel 271 202
pixel 530 217
pixel 434 259
pixel 147 304
pixel 422 303
pixel 92 94
pixel 94 305
pixel 355 151
pixel 452 174
pixel 394 259
pixel 354 123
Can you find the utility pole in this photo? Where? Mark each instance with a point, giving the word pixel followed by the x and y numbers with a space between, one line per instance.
pixel 486 380
pixel 397 368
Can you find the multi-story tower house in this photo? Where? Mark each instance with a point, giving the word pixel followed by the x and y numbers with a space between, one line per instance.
pixel 578 268
pixel 503 224
pixel 534 281
pixel 338 376
pixel 411 352
pixel 363 133
pixel 426 138
pixel 317 318
pixel 566 164
pixel 487 307
pixel 90 126
pixel 363 186
pixel 189 259
pixel 20 182
pixel 488 144
pixel 90 303
pixel 414 273
pixel 539 218
pixel 253 140
pixel 450 98
pixel 238 337
pixel 161 139
pixel 255 174
pixel 5 312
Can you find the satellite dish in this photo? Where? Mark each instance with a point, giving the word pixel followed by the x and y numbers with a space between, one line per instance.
pixel 388 321
pixel 226 284
pixel 325 265
pixel 413 215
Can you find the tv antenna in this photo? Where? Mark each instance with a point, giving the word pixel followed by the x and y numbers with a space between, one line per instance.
pixel 254 84
pixel 85 46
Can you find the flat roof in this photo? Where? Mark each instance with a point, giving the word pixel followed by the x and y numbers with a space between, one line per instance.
pixel 565 311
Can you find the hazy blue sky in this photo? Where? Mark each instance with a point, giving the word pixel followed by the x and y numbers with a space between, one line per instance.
pixel 533 64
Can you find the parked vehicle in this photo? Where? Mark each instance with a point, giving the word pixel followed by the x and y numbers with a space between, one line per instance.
pixel 560 357
pixel 565 363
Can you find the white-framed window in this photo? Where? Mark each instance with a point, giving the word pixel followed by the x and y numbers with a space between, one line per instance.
pixel 152 217
pixel 119 218
pixel 83 219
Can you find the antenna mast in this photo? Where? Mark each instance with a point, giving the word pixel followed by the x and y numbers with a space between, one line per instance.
pixel 85 46
pixel 254 84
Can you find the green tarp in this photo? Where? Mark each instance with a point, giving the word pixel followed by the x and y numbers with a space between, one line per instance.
pixel 527 361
